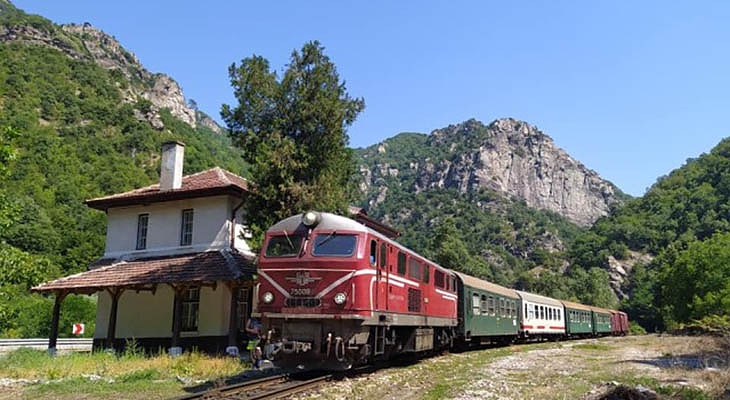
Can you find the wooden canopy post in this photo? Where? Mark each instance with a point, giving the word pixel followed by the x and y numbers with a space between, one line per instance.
pixel 177 315
pixel 233 320
pixel 115 294
pixel 53 337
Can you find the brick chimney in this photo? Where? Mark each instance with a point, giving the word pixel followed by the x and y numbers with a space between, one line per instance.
pixel 172 165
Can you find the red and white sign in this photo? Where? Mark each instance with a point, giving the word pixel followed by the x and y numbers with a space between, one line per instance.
pixel 78 329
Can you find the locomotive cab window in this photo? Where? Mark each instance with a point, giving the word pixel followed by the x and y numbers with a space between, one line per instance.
pixel 333 244
pixel 283 246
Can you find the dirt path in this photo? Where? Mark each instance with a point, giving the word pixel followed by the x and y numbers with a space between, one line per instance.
pixel 584 369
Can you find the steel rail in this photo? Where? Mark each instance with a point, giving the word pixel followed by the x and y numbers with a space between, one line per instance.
pixel 272 387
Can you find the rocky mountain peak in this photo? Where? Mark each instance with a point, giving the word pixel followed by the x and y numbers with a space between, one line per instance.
pixel 509 156
pixel 84 41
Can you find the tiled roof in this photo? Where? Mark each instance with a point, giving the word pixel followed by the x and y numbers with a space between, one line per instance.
pixel 210 182
pixel 203 267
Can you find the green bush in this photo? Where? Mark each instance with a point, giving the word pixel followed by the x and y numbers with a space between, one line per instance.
pixel 636 329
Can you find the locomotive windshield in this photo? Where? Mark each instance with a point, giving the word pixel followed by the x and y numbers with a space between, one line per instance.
pixel 284 245
pixel 334 244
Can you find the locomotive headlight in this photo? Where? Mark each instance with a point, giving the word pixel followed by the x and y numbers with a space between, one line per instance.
pixel 268 297
pixel 340 298
pixel 310 218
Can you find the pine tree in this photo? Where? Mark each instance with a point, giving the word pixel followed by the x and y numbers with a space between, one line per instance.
pixel 293 133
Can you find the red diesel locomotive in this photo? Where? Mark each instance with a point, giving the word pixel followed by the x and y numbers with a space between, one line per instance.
pixel 335 293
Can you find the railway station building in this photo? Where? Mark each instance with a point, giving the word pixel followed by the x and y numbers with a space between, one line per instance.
pixel 176 272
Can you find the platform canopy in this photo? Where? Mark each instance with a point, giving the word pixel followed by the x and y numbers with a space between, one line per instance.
pixel 198 268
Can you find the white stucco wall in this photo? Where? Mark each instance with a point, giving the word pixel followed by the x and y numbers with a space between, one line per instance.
pixel 210 227
pixel 144 315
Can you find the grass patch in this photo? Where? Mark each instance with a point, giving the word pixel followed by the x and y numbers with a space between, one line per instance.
pixel 592 346
pixel 104 374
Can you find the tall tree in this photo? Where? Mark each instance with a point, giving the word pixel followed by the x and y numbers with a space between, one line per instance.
pixel 293 132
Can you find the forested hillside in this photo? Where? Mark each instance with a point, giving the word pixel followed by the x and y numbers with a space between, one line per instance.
pixel 74 131
pixel 428 187
pixel 683 224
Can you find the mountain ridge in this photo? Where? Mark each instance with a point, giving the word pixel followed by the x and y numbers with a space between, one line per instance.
pixel 507 155
pixel 84 41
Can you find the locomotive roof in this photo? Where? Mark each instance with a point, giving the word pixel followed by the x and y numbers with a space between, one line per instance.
pixel 337 222
pixel 328 222
pixel 575 306
pixel 600 310
pixel 536 298
pixel 484 285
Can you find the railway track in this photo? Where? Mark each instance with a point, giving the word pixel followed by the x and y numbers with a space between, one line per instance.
pixel 272 387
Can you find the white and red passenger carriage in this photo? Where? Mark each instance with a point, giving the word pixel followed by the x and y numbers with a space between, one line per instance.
pixel 334 293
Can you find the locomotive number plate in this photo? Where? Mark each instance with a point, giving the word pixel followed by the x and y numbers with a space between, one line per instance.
pixel 301 291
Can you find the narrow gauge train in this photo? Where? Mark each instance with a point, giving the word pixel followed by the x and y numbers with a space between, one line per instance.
pixel 335 293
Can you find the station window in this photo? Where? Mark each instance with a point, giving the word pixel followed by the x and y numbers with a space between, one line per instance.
pixel 401 263
pixel 142 221
pixel 383 256
pixel 186 229
pixel 190 309
pixel 438 279
pixel 414 269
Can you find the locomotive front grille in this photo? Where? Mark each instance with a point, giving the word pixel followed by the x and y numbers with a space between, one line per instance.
pixel 306 302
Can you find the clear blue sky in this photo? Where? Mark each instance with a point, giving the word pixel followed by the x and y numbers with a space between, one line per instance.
pixel 630 89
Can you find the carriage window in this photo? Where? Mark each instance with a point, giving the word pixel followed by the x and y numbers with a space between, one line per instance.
pixel 373 252
pixel 283 246
pixel 401 263
pixel 383 256
pixel 514 308
pixel 438 279
pixel 483 304
pixel 475 304
pixel 414 269
pixel 501 307
pixel 490 304
pixel 542 312
pixel 559 314
pixel 550 313
pixel 332 244
pixel 426 273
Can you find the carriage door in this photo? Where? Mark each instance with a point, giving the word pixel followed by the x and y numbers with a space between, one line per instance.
pixel 381 284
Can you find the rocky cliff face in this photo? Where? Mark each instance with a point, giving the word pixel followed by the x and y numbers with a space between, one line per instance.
pixel 509 156
pixel 85 41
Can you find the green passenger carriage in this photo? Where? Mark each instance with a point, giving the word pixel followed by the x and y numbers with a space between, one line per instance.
pixel 579 319
pixel 601 321
pixel 487 312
